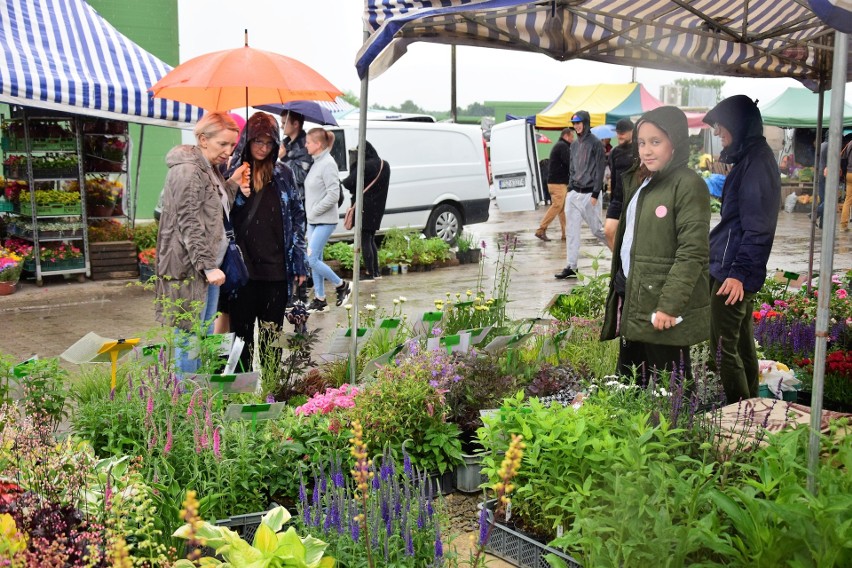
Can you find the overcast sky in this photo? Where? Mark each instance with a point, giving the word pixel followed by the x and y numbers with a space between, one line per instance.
pixel 326 34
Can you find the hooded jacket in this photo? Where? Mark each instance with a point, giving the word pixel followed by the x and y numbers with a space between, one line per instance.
pixel 751 197
pixel 191 230
pixel 668 270
pixel 376 197
pixel 292 211
pixel 298 160
pixel 588 160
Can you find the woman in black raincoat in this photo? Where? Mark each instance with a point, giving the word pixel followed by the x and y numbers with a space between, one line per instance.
pixel 269 226
pixel 376 182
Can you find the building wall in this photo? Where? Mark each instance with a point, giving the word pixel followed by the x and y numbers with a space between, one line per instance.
pixel 153 25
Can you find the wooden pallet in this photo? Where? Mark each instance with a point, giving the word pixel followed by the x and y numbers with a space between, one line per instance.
pixel 113 261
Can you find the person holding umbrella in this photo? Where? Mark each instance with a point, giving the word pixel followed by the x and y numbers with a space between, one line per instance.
pixel 191 242
pixel 269 226
pixel 322 187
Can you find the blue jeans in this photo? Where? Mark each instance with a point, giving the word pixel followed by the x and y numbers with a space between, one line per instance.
pixel 184 340
pixel 317 237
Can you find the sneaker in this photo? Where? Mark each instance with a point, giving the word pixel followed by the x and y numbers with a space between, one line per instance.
pixel 343 293
pixel 317 306
pixel 566 273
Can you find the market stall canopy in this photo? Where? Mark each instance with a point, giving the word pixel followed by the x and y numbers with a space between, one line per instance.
pixel 61 55
pixel 797 108
pixel 606 103
pixel 836 13
pixel 751 38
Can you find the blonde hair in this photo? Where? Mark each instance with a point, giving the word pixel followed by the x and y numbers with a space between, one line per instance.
pixel 324 137
pixel 212 123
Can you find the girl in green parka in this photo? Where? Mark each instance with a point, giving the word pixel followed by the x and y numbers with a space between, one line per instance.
pixel 658 302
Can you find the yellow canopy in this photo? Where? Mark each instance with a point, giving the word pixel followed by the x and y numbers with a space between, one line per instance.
pixel 598 100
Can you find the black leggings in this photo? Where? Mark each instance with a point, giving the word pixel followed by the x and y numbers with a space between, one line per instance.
pixel 265 301
pixel 371 252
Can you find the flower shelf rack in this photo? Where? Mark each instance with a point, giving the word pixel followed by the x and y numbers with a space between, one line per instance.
pixel 42 160
pixel 518 548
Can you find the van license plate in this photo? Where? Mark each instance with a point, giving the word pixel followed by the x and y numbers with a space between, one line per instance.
pixel 509 183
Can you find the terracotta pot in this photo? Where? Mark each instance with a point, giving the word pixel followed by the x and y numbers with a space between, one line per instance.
pixel 8 288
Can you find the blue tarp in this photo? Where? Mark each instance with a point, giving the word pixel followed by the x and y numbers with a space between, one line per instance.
pixel 714 184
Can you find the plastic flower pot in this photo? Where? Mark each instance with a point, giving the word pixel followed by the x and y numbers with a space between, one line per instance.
pixel 469 475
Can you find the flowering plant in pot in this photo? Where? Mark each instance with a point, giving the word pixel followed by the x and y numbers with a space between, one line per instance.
pixel 11 264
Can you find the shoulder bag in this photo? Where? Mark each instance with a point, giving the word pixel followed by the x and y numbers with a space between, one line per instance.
pixel 233 265
pixel 349 218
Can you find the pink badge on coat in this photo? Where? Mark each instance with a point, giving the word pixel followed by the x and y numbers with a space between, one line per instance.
pixel 661 211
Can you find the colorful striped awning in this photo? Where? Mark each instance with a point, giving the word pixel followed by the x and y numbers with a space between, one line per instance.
pixel 750 38
pixel 61 55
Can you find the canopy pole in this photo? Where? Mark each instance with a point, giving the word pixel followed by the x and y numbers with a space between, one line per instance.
pixel 359 219
pixel 823 59
pixel 453 112
pixel 817 174
pixel 135 190
pixel 826 263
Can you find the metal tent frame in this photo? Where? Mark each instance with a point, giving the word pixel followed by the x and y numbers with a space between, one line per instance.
pixel 752 38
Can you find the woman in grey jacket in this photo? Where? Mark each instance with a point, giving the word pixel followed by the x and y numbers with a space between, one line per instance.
pixel 191 242
pixel 658 303
pixel 322 189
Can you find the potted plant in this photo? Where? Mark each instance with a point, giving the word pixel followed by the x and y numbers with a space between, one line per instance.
pixel 102 196
pixel 11 264
pixel 147 264
pixel 464 243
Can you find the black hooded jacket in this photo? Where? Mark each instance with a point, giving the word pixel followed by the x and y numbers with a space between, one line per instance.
pixel 376 197
pixel 751 197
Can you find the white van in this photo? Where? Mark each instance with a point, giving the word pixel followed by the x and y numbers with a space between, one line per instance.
pixel 439 178
pixel 514 165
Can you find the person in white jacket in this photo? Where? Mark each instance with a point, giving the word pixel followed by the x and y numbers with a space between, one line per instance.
pixel 322 189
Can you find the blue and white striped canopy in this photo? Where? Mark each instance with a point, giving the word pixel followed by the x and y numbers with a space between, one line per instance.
pixel 61 55
pixel 750 38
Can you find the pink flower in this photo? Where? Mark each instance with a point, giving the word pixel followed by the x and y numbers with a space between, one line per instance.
pixel 841 293
pixel 168 447
pixel 217 441
pixel 149 408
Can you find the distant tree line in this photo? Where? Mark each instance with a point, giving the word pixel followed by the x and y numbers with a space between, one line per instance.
pixel 409 106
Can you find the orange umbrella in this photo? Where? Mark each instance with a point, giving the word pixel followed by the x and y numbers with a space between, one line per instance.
pixel 234 78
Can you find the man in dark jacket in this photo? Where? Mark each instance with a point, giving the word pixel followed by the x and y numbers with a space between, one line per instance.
pixel 740 244
pixel 586 177
pixel 293 154
pixel 557 183
pixel 292 151
pixel 620 160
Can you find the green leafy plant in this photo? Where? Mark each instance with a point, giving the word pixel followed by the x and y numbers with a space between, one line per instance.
pixel 406 402
pixel 341 252
pixel 465 241
pixel 270 547
pixel 145 236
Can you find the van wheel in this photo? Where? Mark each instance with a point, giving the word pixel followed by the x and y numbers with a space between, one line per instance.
pixel 444 222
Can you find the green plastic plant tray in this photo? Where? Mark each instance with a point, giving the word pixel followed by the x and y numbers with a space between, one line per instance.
pixel 52 209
